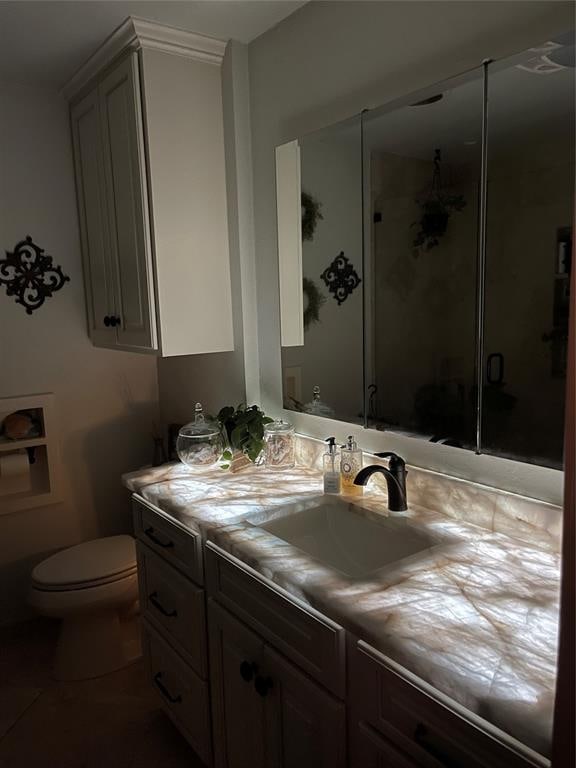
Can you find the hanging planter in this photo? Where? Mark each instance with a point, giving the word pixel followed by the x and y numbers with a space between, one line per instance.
pixel 437 207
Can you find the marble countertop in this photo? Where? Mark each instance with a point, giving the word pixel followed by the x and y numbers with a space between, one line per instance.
pixel 476 616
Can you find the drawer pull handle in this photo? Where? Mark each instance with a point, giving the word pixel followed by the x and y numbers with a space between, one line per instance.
pixel 151 535
pixel 164 691
pixel 247 671
pixel 422 739
pixel 263 685
pixel 158 605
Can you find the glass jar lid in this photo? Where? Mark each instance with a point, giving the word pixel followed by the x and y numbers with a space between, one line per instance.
pixel 278 426
pixel 202 426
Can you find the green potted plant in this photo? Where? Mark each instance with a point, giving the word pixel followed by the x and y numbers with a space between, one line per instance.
pixel 244 429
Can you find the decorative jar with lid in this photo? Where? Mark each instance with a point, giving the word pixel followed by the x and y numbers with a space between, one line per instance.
pixel 200 443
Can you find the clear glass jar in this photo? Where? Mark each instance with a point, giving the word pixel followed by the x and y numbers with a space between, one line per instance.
pixel 279 445
pixel 317 407
pixel 200 443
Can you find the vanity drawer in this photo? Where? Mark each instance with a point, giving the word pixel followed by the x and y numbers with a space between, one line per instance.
pixel 184 696
pixel 370 750
pixel 174 606
pixel 428 727
pixel 180 548
pixel 311 640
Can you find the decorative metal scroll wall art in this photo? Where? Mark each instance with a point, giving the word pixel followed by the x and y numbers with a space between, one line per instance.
pixel 341 278
pixel 29 275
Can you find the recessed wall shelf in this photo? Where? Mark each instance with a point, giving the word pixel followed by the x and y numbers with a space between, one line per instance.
pixel 29 467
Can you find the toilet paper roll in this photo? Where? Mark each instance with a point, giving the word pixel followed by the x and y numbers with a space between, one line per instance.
pixel 14 473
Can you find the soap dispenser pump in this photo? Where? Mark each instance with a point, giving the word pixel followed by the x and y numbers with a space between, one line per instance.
pixel 331 465
pixel 350 465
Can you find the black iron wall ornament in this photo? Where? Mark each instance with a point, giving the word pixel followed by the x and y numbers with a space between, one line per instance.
pixel 28 274
pixel 341 278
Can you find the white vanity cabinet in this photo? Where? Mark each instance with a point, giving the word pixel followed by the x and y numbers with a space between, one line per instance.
pixel 266 710
pixel 148 139
pixel 395 720
pixel 173 613
pixel 267 713
pixel 254 678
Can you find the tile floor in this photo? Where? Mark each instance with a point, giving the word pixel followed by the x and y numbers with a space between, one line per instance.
pixel 114 721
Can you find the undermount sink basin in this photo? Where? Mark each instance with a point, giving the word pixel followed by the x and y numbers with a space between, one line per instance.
pixel 345 536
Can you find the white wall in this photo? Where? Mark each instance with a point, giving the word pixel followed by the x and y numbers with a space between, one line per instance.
pixel 106 401
pixel 331 60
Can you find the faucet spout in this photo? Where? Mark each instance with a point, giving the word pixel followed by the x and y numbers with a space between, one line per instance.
pixel 395 481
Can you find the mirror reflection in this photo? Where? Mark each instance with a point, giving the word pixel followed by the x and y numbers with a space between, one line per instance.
pixel 436 259
pixel 423 165
pixel 324 375
pixel 529 215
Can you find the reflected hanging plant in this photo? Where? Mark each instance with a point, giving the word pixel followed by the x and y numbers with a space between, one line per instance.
pixel 437 207
pixel 314 300
pixel 311 215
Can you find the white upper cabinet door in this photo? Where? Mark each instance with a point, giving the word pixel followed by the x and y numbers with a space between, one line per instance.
pixel 126 194
pixel 185 142
pixel 98 273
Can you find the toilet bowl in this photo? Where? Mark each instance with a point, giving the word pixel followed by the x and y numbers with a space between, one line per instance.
pixel 93 589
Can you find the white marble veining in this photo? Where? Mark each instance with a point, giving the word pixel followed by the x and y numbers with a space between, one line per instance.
pixel 476 616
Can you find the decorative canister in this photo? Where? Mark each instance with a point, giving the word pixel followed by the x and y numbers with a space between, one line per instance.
pixel 200 443
pixel 279 445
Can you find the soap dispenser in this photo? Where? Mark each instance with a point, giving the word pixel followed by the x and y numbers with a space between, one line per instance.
pixel 350 465
pixel 331 464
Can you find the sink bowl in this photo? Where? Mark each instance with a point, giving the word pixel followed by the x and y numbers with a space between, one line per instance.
pixel 345 536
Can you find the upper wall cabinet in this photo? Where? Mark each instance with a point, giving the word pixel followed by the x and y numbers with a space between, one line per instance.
pixel 148 139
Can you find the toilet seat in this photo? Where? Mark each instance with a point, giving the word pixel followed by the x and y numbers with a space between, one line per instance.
pixel 73 587
pixel 88 565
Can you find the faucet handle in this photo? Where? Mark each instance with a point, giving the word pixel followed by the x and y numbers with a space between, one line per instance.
pixel 389 455
pixel 396 462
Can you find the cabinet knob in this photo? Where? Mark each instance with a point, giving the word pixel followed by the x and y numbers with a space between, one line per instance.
pixel 107 321
pixel 247 671
pixel 114 321
pixel 263 685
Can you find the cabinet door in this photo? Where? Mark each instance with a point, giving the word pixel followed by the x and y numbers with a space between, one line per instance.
pixel 127 205
pixel 98 274
pixel 305 726
pixel 236 656
pixel 372 751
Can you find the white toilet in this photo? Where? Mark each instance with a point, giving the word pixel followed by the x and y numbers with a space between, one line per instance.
pixel 93 588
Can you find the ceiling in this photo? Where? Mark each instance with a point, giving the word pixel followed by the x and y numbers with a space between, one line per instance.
pixel 47 41
pixel 522 102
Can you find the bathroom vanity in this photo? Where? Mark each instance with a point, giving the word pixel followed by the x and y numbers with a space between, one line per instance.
pixel 439 651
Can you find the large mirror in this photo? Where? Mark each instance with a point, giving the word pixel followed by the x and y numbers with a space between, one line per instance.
pixel 436 238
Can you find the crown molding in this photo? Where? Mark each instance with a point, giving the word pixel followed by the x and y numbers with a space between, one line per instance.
pixel 135 33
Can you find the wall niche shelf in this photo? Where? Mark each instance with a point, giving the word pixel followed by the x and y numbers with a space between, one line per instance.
pixel 29 466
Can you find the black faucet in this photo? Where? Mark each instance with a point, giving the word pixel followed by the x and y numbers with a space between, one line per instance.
pixel 395 479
